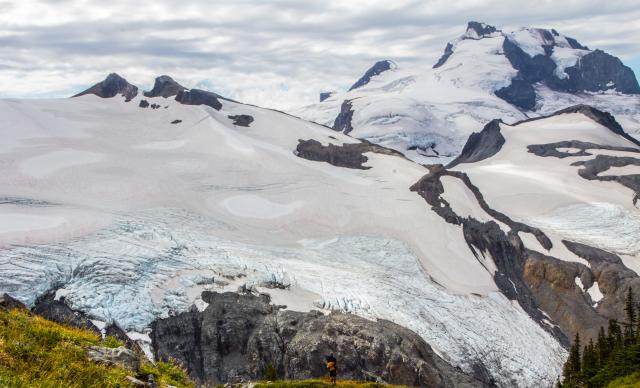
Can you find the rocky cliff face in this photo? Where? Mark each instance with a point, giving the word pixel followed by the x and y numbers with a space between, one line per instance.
pixel 378 68
pixel 111 87
pixel 237 336
pixel 165 86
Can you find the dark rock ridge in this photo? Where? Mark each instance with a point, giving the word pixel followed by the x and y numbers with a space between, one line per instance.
pixel 199 97
pixel 241 120
pixel 481 29
pixel 112 86
pixel 325 95
pixel 350 155
pixel 551 149
pixel 58 311
pixel 598 71
pixel 601 163
pixel 165 86
pixel 377 69
pixel 481 145
pixel 448 50
pixel 342 123
pixel 238 336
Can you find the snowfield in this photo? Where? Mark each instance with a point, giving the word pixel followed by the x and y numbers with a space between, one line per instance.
pixel 169 210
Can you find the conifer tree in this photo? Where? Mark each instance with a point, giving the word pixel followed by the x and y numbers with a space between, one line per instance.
pixel 602 347
pixel 630 310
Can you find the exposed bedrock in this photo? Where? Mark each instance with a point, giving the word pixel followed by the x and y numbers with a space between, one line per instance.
pixel 350 155
pixel 58 311
pixel 554 284
pixel 377 69
pixel 164 86
pixel 551 149
pixel 199 97
pixel 111 87
pixel 238 336
pixel 544 286
pixel 241 120
pixel 597 71
pixel 342 123
pixel 519 93
pixel 601 163
pixel 481 145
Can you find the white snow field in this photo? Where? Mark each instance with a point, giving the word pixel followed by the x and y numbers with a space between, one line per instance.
pixel 406 107
pixel 548 193
pixel 133 216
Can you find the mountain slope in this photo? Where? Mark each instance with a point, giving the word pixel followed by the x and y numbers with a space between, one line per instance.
pixel 130 213
pixel 484 74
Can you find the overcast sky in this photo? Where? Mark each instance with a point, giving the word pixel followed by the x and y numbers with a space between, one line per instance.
pixel 278 53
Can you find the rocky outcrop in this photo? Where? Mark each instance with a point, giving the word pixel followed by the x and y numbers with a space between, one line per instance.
pixel 7 302
pixel 143 104
pixel 111 87
pixel 199 97
pixel 350 155
pixel 325 95
pixel 342 123
pixel 519 93
pixel 165 86
pixel 595 71
pixel 481 145
pixel 598 71
pixel 377 69
pixel 238 336
pixel 241 120
pixel 480 29
pixel 57 311
pixel 448 50
pixel 120 356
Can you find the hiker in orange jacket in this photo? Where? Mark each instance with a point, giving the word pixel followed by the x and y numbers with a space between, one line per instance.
pixel 332 368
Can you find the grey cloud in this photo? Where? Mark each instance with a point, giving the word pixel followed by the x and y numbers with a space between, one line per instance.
pixel 304 45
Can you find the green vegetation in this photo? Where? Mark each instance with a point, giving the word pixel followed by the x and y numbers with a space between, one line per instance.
pixel 321 384
pixel 35 352
pixel 613 360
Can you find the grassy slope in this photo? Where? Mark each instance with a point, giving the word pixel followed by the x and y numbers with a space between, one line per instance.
pixel 35 352
pixel 630 381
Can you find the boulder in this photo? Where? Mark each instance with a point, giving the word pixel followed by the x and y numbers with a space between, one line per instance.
pixel 58 311
pixel 120 356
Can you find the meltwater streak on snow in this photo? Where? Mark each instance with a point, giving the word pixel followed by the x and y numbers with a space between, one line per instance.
pixel 117 274
pixel 603 225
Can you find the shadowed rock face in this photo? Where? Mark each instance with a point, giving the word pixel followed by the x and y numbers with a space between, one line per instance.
pixel 199 97
pixel 112 86
pixel 342 122
pixel 57 311
pixel 378 68
pixel 8 303
pixel 325 95
pixel 481 145
pixel 480 28
pixel 237 336
pixel 595 71
pixel 599 71
pixel 350 155
pixel 165 86
pixel 519 93
pixel 448 50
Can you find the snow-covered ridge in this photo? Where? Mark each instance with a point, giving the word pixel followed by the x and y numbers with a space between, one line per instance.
pixel 484 74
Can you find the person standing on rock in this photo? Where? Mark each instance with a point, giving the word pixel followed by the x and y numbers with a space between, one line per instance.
pixel 332 368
